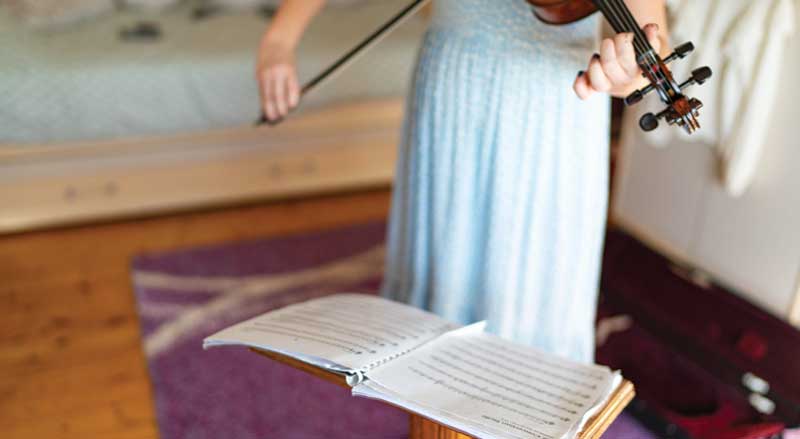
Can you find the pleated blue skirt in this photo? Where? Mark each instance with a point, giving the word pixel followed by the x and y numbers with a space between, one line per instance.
pixel 500 197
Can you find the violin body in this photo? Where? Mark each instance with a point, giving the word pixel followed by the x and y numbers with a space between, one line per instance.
pixel 562 11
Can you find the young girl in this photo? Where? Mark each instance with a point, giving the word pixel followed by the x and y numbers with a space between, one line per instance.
pixel 500 196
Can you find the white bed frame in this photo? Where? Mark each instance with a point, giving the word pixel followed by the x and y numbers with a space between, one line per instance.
pixel 343 147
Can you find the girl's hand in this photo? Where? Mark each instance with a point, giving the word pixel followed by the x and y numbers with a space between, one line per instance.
pixel 614 69
pixel 277 79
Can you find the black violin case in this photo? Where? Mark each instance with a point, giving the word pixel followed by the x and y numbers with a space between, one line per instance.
pixel 706 364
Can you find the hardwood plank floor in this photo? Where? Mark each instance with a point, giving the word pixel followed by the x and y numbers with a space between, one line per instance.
pixel 71 362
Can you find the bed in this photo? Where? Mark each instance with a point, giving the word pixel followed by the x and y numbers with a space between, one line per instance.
pixel 94 126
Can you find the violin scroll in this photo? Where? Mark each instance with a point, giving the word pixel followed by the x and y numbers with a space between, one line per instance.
pixel 680 111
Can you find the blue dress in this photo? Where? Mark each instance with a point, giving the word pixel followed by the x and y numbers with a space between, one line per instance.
pixel 500 197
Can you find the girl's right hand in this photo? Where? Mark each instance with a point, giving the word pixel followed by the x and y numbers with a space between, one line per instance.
pixel 277 79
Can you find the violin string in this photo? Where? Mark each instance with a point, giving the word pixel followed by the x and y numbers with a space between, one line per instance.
pixel 619 13
pixel 613 17
pixel 635 25
pixel 617 21
pixel 629 24
pixel 639 36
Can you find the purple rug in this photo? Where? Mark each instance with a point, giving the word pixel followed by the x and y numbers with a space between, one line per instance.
pixel 184 296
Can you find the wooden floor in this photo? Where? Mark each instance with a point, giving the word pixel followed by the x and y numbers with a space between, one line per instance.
pixel 71 363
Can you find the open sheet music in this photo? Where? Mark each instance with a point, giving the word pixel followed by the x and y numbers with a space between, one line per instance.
pixel 462 377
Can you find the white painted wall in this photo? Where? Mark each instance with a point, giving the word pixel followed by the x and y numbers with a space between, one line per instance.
pixel 672 198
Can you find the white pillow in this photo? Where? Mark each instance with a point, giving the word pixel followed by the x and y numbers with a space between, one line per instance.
pixel 57 13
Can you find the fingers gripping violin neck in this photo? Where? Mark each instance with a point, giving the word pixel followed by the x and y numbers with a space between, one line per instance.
pixel 681 110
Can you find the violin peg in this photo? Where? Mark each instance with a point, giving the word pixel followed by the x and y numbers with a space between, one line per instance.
pixel 680 52
pixel 638 95
pixel 684 49
pixel 634 98
pixel 648 122
pixel 701 75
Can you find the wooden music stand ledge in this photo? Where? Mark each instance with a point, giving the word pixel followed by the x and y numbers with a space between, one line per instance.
pixel 422 428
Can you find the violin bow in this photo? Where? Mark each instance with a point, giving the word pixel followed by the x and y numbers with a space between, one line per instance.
pixel 353 54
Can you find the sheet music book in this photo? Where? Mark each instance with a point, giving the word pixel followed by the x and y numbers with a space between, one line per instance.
pixel 461 377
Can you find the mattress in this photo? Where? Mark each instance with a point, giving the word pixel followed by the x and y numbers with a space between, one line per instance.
pixel 86 83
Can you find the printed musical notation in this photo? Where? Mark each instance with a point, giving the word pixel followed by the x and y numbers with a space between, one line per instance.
pixel 353 331
pixel 507 387
pixel 458 376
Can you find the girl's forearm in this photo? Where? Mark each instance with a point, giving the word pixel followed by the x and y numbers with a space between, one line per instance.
pixel 291 20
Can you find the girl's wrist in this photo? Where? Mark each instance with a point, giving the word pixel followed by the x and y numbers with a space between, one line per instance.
pixel 280 39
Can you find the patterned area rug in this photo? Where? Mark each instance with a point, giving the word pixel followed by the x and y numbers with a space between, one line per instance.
pixel 186 295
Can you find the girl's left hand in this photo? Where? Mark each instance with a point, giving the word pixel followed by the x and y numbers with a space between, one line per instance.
pixel 614 69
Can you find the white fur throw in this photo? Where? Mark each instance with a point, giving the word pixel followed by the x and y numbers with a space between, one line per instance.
pixel 150 4
pixel 252 4
pixel 57 13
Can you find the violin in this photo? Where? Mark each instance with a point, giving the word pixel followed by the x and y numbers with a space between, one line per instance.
pixel 681 110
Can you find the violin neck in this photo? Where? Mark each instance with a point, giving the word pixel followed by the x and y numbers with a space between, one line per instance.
pixel 621 20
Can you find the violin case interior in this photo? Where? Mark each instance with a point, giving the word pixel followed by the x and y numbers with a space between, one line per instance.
pixel 706 364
